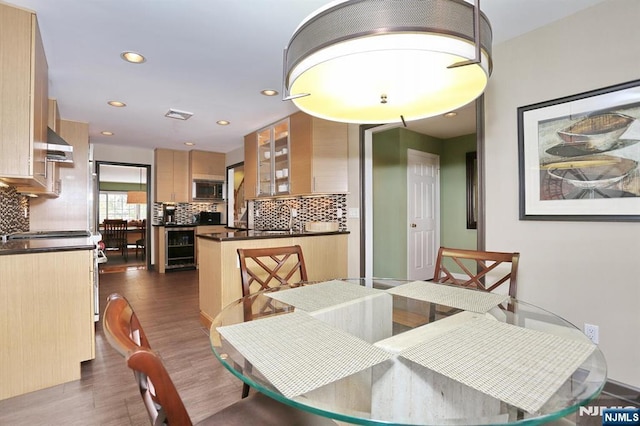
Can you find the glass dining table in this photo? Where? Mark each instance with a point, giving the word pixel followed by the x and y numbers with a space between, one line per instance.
pixel 383 351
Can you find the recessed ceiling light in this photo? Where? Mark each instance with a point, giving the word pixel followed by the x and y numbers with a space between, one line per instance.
pixel 451 114
pixel 106 133
pixel 133 57
pixel 117 104
pixel 269 92
pixel 189 143
pixel 223 122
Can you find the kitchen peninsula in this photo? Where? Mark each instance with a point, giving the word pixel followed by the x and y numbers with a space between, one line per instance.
pixel 325 255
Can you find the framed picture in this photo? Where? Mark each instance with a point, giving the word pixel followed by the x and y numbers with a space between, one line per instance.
pixel 579 156
pixel 472 190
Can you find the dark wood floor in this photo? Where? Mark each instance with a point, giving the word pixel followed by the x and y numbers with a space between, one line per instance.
pixel 167 305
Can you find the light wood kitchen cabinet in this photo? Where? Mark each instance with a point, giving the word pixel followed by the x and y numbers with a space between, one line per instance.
pixel 250 165
pixel 319 155
pixel 46 309
pixel 317 158
pixel 24 94
pixel 206 165
pixel 171 176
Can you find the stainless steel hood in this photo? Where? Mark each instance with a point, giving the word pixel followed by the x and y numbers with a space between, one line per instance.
pixel 58 149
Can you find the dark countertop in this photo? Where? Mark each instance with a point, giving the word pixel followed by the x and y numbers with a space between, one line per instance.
pixel 234 235
pixel 45 245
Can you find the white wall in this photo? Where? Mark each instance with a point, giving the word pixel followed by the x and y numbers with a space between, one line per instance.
pixel 584 271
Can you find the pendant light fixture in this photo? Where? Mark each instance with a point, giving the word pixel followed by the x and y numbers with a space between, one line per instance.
pixel 139 196
pixel 386 61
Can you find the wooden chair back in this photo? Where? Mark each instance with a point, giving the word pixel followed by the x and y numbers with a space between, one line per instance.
pixel 159 394
pixel 115 234
pixel 263 268
pixel 122 327
pixel 479 269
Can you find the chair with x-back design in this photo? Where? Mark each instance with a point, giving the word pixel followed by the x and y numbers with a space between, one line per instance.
pixel 477 269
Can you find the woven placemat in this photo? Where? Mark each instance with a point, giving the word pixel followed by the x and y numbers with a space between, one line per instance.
pixel 519 366
pixel 298 353
pixel 322 295
pixel 461 298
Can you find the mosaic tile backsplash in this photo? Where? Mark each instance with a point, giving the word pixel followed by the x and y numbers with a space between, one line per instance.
pixel 275 213
pixel 14 211
pixel 186 211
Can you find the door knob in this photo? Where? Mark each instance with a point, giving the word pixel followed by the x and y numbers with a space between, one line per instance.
pixel 413 225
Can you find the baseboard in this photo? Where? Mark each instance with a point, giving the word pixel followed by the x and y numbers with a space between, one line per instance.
pixel 205 320
pixel 622 391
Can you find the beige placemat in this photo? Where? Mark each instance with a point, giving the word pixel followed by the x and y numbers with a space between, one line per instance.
pixel 519 366
pixel 461 298
pixel 298 353
pixel 322 295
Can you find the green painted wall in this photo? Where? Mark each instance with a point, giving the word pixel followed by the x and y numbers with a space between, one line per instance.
pixel 453 195
pixel 122 186
pixel 389 160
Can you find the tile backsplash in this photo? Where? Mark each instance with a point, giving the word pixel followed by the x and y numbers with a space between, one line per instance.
pixel 275 213
pixel 14 211
pixel 186 211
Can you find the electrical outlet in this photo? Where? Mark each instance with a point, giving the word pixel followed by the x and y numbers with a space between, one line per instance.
pixel 294 213
pixel 592 332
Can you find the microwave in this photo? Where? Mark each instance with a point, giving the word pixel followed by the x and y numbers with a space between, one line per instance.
pixel 208 190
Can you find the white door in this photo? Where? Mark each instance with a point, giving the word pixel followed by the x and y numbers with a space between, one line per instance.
pixel 423 213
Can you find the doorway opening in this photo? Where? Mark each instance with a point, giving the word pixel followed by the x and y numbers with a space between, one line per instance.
pixel 123 195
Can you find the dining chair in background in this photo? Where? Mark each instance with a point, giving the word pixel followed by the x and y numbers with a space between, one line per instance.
pixel 159 394
pixel 477 269
pixel 262 268
pixel 115 235
pixel 140 243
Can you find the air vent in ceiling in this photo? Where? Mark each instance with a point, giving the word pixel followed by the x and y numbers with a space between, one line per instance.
pixel 178 115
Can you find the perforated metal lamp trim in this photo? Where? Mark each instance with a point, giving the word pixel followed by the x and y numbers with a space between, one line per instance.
pixel 356 28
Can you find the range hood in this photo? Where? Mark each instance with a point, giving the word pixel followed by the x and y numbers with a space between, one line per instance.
pixel 58 149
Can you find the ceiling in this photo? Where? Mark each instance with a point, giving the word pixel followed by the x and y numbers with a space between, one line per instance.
pixel 208 57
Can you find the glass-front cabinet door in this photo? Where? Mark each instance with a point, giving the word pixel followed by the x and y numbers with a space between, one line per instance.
pixel 273 159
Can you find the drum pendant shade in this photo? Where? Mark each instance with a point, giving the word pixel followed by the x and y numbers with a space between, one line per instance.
pixel 382 61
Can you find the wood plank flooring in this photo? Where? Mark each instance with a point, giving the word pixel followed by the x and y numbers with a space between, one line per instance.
pixel 167 305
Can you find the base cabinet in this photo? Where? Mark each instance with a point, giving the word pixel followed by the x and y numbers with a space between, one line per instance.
pixel 46 312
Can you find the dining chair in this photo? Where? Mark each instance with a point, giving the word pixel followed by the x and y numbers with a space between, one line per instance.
pixel 115 235
pixel 121 326
pixel 159 394
pixel 262 268
pixel 140 243
pixel 477 269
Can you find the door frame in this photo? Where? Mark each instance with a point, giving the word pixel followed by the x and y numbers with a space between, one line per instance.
pixel 366 187
pixel 96 201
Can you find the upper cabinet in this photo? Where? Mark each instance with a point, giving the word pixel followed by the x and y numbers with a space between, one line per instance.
pixel 206 165
pixel 24 94
pixel 319 155
pixel 171 176
pixel 273 159
pixel 298 156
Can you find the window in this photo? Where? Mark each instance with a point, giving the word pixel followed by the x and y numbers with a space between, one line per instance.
pixel 113 205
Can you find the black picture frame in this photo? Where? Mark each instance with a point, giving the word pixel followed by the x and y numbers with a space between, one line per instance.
pixel 472 189
pixel 579 156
